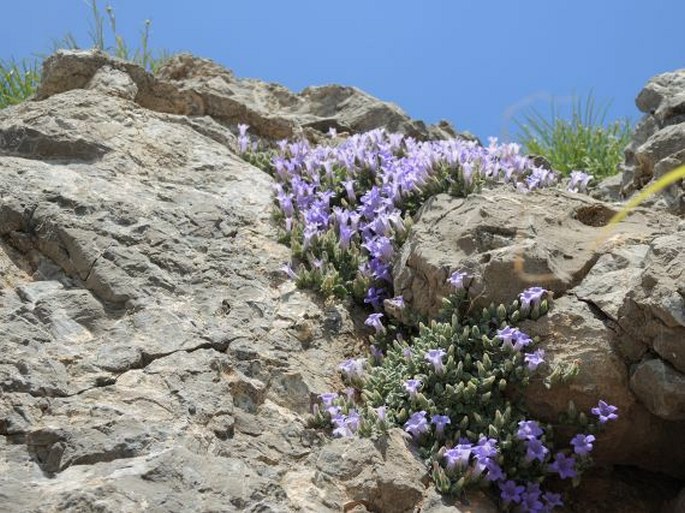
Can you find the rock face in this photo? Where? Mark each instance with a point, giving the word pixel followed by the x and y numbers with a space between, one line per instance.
pixel 191 86
pixel 153 357
pixel 658 145
pixel 619 308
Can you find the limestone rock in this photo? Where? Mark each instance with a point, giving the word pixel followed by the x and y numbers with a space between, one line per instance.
pixel 658 144
pixel 152 354
pixel 571 333
pixel 660 388
pixel 510 242
pixel 188 85
pixel 617 296
pixel 392 475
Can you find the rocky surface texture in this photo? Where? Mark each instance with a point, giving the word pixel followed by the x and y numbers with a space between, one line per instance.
pixel 154 358
pixel 190 86
pixel 658 145
pixel 619 308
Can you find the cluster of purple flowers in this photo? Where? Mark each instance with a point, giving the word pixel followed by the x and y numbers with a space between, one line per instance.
pixel 343 424
pixel 349 203
pixel 479 458
pixel 515 340
pixel 530 498
pixel 360 189
pixel 418 423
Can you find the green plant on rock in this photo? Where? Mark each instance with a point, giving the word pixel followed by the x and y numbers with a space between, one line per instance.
pixel 141 54
pixel 583 142
pixel 457 389
pixel 18 81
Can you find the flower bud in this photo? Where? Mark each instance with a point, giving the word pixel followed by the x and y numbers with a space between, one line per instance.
pixel 501 313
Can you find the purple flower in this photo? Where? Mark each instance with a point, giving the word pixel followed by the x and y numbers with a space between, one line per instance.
pixel 346 234
pixel 406 352
pixel 582 444
pixel 288 269
pixel 563 465
pixel 530 499
pixel 243 139
pixel 535 450
pixel 382 411
pixel 605 412
pixel 510 492
pixel 440 421
pixel 417 424
pixel 349 189
pixel 380 248
pixel 374 296
pixel 513 339
pixel 380 270
pixel 535 359
pixel 456 279
pixel 458 456
pixel 374 320
pixel 532 296
pixel 328 398
pixel 412 386
pixel 579 181
pixel 552 500
pixel 506 335
pixel 486 448
pixel 286 203
pixel 346 425
pixel 352 368
pixel 528 429
pixel 434 356
pixel 334 411
pixel 495 472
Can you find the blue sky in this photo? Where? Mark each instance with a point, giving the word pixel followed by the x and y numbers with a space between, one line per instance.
pixel 475 63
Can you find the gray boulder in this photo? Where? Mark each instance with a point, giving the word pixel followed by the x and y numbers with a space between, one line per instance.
pixel 152 355
pixel 658 144
pixel 617 299
pixel 188 85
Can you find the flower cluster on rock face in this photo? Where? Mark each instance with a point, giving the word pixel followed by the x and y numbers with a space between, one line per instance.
pixel 346 207
pixel 455 388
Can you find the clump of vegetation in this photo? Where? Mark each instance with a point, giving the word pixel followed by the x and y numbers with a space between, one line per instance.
pixel 583 142
pixel 457 389
pixel 346 207
pixel 454 383
pixel 116 45
pixel 19 80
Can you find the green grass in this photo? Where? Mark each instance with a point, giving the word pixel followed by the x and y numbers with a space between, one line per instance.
pixel 19 80
pixel 102 26
pixel 582 142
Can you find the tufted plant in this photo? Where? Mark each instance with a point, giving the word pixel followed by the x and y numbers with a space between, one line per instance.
pixel 455 383
pixel 456 389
